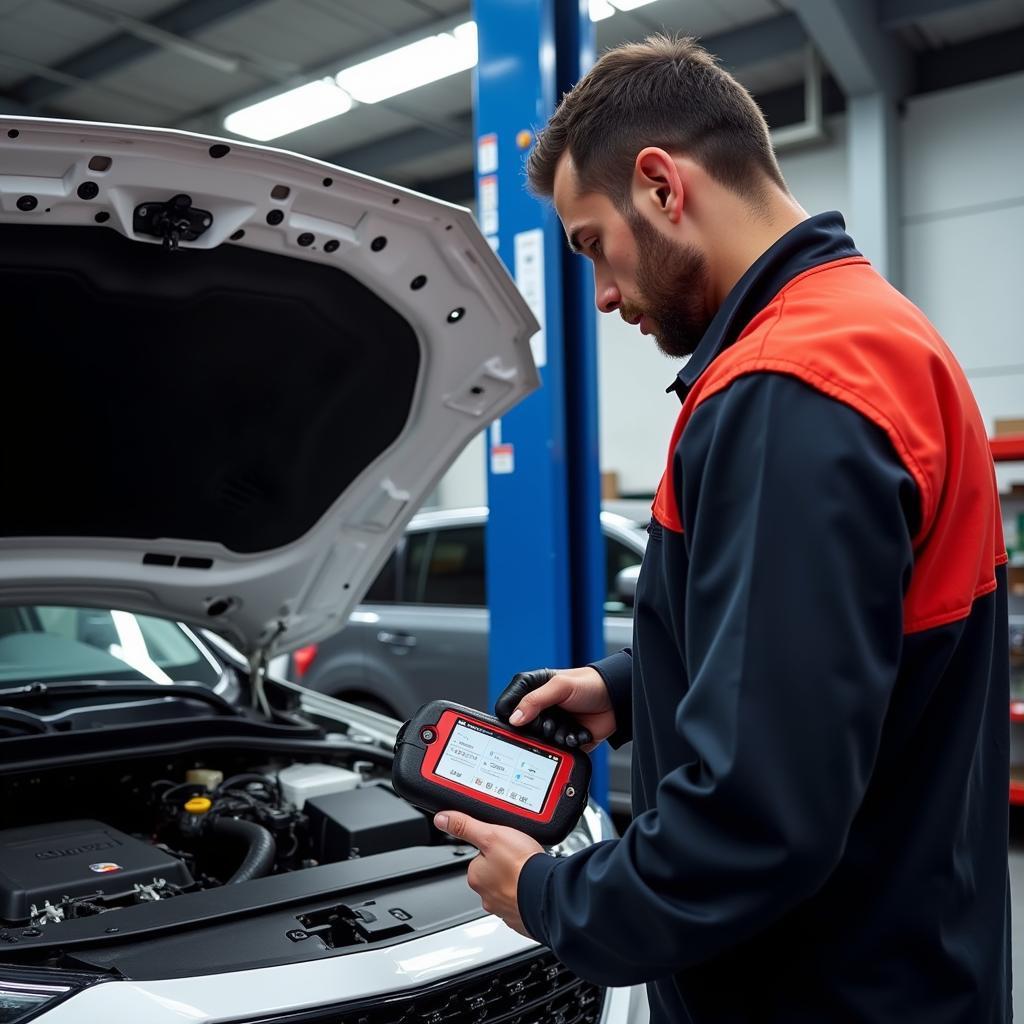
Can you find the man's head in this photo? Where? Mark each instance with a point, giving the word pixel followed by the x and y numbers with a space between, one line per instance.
pixel 652 159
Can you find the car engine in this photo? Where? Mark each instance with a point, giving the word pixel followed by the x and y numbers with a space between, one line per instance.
pixel 164 836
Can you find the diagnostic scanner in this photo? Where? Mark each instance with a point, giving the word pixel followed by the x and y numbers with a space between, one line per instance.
pixel 450 757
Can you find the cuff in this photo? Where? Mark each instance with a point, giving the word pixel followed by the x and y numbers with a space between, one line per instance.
pixel 617 672
pixel 531 894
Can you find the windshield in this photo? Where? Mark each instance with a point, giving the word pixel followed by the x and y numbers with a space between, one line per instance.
pixel 40 643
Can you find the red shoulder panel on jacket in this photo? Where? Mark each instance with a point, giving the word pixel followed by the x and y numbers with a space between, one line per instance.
pixel 843 330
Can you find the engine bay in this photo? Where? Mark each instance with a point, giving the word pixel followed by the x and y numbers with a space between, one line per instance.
pixel 105 838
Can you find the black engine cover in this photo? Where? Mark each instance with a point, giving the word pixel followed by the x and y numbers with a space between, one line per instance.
pixel 75 858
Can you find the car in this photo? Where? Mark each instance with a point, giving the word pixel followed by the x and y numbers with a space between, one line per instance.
pixel 233 375
pixel 421 631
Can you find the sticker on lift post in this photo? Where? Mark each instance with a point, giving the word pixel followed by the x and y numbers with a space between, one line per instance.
pixel 503 458
pixel 487 154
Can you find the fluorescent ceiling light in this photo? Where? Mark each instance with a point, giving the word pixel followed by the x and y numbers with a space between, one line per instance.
pixel 290 111
pixel 631 5
pixel 600 9
pixel 411 66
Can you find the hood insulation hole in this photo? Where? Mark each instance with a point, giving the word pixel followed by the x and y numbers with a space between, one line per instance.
pixel 218 606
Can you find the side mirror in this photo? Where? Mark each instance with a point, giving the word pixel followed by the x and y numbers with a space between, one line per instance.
pixel 625 585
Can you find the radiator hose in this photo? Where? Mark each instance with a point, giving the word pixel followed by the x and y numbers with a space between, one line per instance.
pixel 262 850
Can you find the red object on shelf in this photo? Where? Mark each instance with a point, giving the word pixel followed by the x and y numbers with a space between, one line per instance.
pixel 1016 792
pixel 1009 448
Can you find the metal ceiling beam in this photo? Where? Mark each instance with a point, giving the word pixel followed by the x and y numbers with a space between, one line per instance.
pixel 1001 53
pixel 185 19
pixel 149 33
pixel 894 14
pixel 876 72
pixel 23 65
pixel 376 158
pixel 735 48
pixel 772 37
pixel 9 105
pixel 863 58
pixel 459 187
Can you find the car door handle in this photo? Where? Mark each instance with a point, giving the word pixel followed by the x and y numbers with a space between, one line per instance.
pixel 396 639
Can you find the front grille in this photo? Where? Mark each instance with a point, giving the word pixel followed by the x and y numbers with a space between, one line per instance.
pixel 535 989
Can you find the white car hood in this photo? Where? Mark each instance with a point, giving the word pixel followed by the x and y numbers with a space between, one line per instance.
pixel 233 434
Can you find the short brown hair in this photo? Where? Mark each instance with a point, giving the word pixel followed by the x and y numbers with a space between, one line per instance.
pixel 667 91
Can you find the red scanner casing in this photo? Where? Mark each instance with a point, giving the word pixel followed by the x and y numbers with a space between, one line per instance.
pixel 416 778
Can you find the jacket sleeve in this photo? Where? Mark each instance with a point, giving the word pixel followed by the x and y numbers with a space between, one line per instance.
pixel 798 519
pixel 617 672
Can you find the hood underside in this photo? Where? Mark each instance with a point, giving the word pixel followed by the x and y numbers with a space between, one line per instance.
pixel 224 409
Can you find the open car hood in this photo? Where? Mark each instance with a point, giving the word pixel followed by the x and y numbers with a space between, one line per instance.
pixel 225 408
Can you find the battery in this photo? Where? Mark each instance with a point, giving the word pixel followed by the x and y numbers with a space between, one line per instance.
pixel 361 822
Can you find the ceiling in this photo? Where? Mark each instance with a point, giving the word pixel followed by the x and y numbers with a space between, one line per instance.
pixel 187 63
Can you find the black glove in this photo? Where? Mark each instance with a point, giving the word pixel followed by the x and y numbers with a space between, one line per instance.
pixel 551 724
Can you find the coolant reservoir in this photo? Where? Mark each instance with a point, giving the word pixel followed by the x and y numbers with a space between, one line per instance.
pixel 208 777
pixel 300 782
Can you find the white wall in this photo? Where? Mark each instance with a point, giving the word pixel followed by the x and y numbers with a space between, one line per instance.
pixel 963 206
pixel 636 415
pixel 818 176
pixel 963 244
pixel 465 484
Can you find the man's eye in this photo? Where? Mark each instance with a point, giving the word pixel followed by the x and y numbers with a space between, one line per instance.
pixel 595 248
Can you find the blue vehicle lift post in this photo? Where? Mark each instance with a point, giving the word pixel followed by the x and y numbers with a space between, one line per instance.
pixel 545 550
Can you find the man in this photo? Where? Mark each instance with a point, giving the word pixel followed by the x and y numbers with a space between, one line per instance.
pixel 818 686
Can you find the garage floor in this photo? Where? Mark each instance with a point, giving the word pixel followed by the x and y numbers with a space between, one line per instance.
pixel 1017 896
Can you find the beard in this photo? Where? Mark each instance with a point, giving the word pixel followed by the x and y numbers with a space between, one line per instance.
pixel 672 280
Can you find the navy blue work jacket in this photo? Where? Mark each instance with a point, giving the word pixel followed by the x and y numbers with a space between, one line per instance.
pixel 817 691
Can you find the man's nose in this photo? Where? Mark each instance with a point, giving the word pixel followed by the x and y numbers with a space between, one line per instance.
pixel 606 296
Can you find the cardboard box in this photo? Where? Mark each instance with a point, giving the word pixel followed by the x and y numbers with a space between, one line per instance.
pixel 1006 426
pixel 609 485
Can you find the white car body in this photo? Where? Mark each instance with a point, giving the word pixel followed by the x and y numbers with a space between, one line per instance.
pixel 76 180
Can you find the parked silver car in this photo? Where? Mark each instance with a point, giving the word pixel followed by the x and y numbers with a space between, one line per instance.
pixel 421 631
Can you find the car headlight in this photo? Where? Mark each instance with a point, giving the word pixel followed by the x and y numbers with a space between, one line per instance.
pixel 25 994
pixel 595 825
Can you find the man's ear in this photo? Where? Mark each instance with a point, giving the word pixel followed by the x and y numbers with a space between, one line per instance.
pixel 657 184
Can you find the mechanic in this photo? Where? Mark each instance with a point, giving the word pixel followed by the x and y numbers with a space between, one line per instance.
pixel 817 690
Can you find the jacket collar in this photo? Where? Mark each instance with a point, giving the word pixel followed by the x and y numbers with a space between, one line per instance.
pixel 817 240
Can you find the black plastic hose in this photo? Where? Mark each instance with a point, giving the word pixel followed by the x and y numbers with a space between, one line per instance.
pixel 262 852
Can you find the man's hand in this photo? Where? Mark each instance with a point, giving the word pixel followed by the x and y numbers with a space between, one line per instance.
pixel 581 692
pixel 494 875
